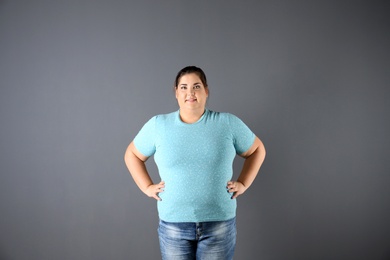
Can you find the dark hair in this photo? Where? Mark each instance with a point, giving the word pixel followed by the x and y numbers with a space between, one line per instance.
pixel 189 70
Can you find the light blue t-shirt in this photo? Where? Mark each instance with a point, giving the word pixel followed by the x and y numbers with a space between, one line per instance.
pixel 195 161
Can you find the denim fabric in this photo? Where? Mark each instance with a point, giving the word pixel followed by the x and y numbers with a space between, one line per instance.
pixel 214 240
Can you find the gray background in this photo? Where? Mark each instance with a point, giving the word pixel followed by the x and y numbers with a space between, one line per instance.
pixel 79 78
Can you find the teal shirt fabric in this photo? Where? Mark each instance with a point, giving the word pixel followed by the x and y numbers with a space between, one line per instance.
pixel 196 162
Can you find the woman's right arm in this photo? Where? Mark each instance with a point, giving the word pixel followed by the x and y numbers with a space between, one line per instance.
pixel 135 162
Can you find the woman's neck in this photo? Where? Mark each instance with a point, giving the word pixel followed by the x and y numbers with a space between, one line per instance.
pixel 191 116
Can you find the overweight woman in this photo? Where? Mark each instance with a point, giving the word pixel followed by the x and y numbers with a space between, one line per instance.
pixel 194 149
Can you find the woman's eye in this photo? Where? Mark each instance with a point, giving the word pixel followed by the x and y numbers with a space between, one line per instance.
pixel 183 87
pixel 197 87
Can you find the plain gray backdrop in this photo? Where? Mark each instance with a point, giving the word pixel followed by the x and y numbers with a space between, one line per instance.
pixel 78 79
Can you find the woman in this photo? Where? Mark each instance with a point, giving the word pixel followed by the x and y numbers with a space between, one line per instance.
pixel 194 149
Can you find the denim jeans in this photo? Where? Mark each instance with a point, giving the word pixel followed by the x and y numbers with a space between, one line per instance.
pixel 214 240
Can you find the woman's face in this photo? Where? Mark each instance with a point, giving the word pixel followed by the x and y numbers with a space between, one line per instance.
pixel 191 94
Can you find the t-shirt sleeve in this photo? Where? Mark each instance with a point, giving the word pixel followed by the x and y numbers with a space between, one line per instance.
pixel 243 137
pixel 145 140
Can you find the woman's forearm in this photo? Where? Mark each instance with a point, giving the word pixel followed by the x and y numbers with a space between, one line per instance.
pixel 137 169
pixel 254 158
pixel 135 162
pixel 252 165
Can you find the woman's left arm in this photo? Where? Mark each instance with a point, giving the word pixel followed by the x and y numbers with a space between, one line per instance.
pixel 254 158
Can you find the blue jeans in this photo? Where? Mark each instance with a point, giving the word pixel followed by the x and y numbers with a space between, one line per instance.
pixel 202 241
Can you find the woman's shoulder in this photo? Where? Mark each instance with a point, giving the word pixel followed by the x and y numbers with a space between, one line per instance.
pixel 165 117
pixel 221 115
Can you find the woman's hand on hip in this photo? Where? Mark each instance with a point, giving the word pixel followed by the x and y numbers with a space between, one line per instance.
pixel 154 189
pixel 235 187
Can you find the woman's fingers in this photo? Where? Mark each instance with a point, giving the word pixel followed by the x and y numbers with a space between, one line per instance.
pixel 231 186
pixel 155 189
pixel 235 187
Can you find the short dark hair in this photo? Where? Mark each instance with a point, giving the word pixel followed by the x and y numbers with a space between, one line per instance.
pixel 189 70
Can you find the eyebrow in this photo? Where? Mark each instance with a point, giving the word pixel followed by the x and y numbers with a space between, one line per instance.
pixel 196 83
